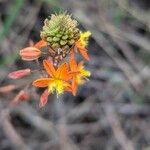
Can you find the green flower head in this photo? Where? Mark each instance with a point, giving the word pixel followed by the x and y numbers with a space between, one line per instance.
pixel 60 31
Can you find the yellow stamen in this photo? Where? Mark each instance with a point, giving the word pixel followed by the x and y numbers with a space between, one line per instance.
pixel 85 73
pixel 84 38
pixel 80 79
pixel 57 86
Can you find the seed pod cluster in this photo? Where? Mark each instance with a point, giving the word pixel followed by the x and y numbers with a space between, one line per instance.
pixel 60 31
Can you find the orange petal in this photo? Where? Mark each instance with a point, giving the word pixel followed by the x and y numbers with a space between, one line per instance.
pixel 40 44
pixel 74 87
pixel 73 63
pixel 83 52
pixel 62 71
pixel 30 53
pixel 49 68
pixel 44 98
pixel 65 73
pixel 72 74
pixel 68 89
pixel 19 73
pixel 43 82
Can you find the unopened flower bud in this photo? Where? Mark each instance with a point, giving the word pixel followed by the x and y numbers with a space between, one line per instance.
pixel 19 73
pixel 30 53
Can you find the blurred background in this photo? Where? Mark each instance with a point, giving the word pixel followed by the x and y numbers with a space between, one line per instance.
pixel 111 111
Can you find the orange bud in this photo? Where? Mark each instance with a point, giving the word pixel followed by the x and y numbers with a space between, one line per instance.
pixel 24 96
pixel 19 73
pixel 21 96
pixel 30 53
pixel 7 88
pixel 44 98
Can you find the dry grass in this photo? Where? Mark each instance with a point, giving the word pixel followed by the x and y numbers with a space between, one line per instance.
pixel 112 110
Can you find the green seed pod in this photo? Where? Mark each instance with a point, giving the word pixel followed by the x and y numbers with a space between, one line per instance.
pixel 65 47
pixel 58 35
pixel 49 39
pixel 65 37
pixel 71 36
pixel 62 42
pixel 55 45
pixel 56 39
pixel 71 42
pixel 60 31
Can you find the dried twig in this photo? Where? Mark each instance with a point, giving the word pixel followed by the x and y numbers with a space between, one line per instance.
pixel 116 127
pixel 10 132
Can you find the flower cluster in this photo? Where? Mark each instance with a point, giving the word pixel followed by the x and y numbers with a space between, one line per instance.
pixel 60 41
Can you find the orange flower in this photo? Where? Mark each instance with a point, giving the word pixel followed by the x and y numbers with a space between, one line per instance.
pixel 82 43
pixel 30 53
pixel 58 80
pixel 80 74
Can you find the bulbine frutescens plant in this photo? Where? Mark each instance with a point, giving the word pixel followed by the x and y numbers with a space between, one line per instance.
pixel 61 40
